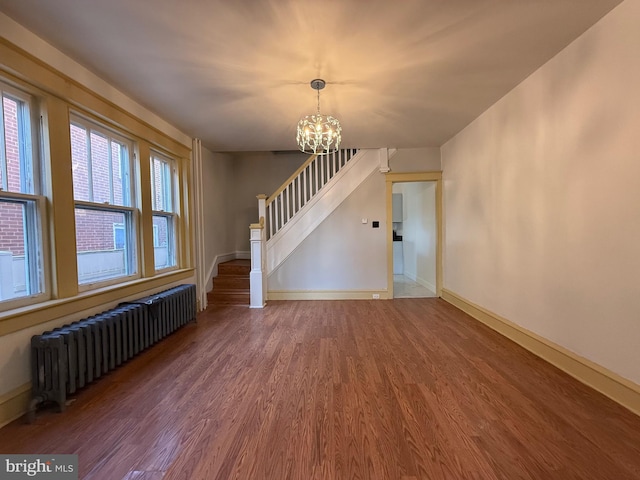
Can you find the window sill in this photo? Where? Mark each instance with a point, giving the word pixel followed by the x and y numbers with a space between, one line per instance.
pixel 97 300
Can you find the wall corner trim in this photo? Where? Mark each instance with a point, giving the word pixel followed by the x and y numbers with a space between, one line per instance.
pixel 14 404
pixel 610 384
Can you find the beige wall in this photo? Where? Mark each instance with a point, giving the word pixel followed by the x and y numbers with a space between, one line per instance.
pixel 218 213
pixel 256 173
pixel 416 160
pixel 542 199
pixel 30 43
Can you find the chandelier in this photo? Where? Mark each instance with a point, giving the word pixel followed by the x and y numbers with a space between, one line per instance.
pixel 319 134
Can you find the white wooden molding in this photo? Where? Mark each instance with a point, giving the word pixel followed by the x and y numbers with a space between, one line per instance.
pixel 257 275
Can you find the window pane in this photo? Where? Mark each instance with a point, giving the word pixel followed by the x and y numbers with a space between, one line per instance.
pixel 100 166
pixel 104 251
pixel 120 179
pixel 162 188
pixel 163 242
pixel 80 163
pixel 15 174
pixel 162 185
pixel 20 267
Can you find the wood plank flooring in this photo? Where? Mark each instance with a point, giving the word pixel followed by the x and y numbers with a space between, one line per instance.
pixel 403 389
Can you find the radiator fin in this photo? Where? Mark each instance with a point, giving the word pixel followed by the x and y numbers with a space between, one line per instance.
pixel 69 357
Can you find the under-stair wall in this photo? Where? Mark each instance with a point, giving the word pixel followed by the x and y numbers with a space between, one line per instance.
pixel 317 209
pixel 343 258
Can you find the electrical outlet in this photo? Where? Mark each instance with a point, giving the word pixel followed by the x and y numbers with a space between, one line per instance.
pixel 376 296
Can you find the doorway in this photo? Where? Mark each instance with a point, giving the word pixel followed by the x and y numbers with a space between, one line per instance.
pixel 414 234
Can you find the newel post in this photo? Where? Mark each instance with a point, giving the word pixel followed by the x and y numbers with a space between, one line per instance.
pixel 257 276
pixel 262 205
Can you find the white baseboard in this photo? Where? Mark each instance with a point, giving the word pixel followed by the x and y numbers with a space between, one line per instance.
pixel 14 404
pixel 610 384
pixel 326 294
pixel 426 284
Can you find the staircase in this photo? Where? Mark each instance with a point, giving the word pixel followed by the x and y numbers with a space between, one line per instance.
pixel 301 204
pixel 231 286
pixel 310 195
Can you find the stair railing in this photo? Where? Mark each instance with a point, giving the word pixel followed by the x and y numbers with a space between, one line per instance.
pixel 301 187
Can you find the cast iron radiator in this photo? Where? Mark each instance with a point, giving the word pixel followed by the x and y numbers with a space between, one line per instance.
pixel 69 357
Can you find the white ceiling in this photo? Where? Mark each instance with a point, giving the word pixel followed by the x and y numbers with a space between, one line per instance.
pixel 236 74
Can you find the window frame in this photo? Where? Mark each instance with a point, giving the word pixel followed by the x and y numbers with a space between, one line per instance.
pixel 31 195
pixel 130 210
pixel 172 216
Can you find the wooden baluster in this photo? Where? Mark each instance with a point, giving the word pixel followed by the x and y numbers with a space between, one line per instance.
pixel 285 207
pixel 325 171
pixel 332 167
pixel 304 185
pixel 292 200
pixel 281 210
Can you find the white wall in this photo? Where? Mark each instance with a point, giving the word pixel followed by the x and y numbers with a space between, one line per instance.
pixel 419 231
pixel 342 253
pixel 542 199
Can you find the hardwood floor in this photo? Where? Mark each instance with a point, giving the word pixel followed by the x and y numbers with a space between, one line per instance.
pixel 400 389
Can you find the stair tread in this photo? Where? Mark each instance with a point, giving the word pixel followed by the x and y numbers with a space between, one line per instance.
pixel 231 285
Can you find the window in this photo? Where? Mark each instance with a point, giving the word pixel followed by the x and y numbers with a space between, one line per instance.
pixel 22 278
pixel 118 236
pixel 163 177
pixel 102 190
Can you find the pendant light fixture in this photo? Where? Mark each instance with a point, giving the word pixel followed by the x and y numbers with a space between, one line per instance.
pixel 319 134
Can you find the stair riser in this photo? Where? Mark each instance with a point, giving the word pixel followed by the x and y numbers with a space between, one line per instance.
pixel 232 282
pixel 230 299
pixel 233 269
pixel 232 285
